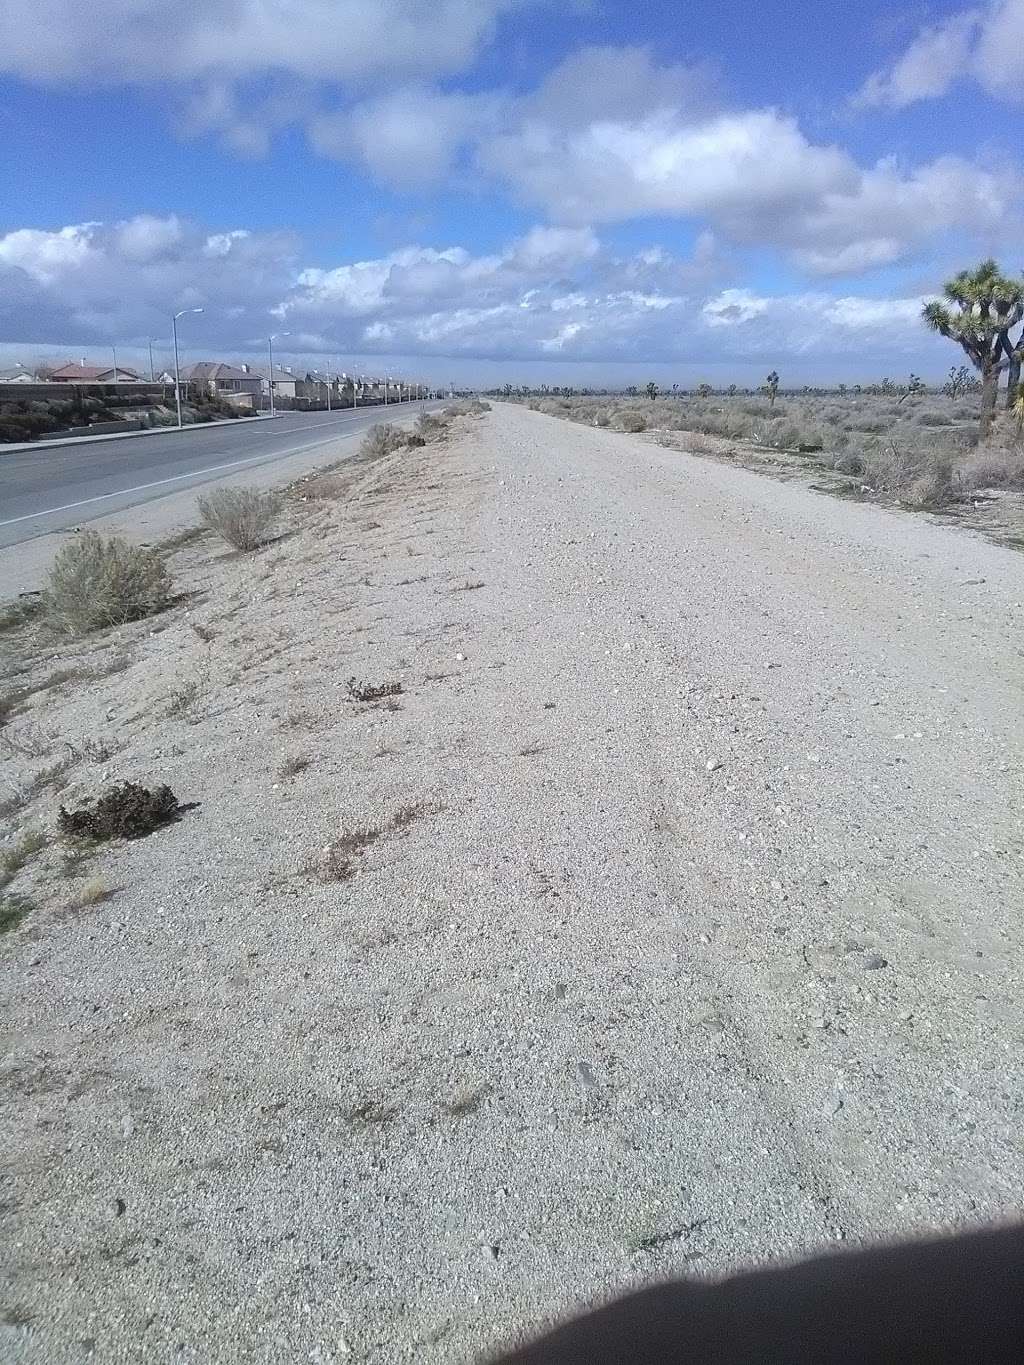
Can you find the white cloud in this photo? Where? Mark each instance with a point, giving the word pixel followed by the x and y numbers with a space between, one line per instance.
pixel 551 294
pixel 149 41
pixel 984 43
pixel 752 175
pixel 408 138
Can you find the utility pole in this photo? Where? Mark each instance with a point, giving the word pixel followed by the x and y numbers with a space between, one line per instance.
pixel 177 372
pixel 328 384
pixel 152 371
pixel 114 349
pixel 273 410
pixel 385 390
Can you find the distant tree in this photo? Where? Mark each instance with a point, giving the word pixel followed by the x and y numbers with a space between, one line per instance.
pixel 675 389
pixel 732 390
pixel 771 387
pixel 914 385
pixel 842 390
pixel 651 390
pixel 704 390
pixel 986 305
pixel 958 382
pixel 631 390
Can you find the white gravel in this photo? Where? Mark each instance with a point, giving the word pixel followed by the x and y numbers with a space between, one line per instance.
pixel 706 950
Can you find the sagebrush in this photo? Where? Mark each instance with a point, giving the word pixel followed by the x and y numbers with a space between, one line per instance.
pixel 244 517
pixel 96 582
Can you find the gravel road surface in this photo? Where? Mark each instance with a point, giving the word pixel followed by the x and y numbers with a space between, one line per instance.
pixel 49 488
pixel 690 936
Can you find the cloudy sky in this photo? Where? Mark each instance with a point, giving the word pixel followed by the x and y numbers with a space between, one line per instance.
pixel 571 190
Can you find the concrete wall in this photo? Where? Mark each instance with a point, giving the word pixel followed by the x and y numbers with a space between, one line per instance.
pixel 108 393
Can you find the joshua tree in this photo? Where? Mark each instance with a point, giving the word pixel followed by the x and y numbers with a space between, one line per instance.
pixel 914 385
pixel 732 390
pixel 652 391
pixel 704 390
pixel 771 387
pixel 958 382
pixel 986 306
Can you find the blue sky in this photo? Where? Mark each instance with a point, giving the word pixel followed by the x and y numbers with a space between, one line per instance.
pixel 484 189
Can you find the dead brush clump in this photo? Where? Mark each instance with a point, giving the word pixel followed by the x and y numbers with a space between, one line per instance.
pixel 95 583
pixel 128 811
pixel 338 861
pixel 369 692
pixel 243 517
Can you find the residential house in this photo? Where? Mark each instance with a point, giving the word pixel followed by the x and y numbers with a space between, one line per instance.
pixel 285 380
pixel 93 374
pixel 18 375
pixel 223 379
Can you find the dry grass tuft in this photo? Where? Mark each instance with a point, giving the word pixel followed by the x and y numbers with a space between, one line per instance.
pixel 93 892
pixel 244 517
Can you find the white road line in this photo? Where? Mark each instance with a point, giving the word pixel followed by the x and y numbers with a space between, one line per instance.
pixel 176 478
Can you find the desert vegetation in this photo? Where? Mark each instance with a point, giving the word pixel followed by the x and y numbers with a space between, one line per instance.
pixel 244 517
pixel 922 449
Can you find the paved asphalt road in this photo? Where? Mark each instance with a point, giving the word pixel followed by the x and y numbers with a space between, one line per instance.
pixel 53 488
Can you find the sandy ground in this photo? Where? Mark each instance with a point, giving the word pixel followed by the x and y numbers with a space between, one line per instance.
pixel 691 937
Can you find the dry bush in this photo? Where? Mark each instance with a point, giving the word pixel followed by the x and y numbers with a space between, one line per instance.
pixel 414 441
pixel 382 439
pixel 923 478
pixel 630 421
pixel 430 426
pixel 991 467
pixel 95 583
pixel 244 517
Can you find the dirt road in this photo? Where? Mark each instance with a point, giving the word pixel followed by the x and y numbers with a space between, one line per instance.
pixel 691 935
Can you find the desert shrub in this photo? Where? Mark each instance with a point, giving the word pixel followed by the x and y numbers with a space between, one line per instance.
pixel 244 517
pixel 413 440
pixel 923 478
pixel 95 583
pixel 934 485
pixel 754 407
pixel 848 462
pixel 991 467
pixel 381 440
pixel 932 417
pixel 429 426
pixel 870 426
pixel 630 421
pixel 603 418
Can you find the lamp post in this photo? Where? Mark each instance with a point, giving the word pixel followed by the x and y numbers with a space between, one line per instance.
pixel 328 384
pixel 152 371
pixel 385 390
pixel 177 375
pixel 114 349
pixel 273 410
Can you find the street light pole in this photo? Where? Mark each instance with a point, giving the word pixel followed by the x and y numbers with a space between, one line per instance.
pixel 328 384
pixel 177 373
pixel 385 390
pixel 273 410
pixel 114 349
pixel 152 371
